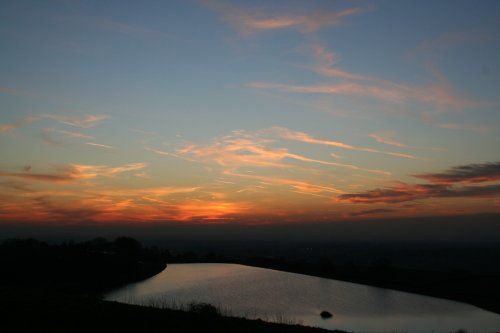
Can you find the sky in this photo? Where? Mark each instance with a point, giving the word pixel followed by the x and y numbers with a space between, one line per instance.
pixel 248 112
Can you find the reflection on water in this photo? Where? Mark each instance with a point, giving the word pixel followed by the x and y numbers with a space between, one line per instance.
pixel 257 292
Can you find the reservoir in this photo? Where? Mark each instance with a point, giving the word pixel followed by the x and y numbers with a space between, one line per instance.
pixel 272 295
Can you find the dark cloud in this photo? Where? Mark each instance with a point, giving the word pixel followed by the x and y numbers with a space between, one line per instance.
pixel 471 173
pixel 72 214
pixel 407 192
pixel 46 138
pixel 402 192
pixel 370 212
pixel 447 184
pixel 16 185
pixel 51 178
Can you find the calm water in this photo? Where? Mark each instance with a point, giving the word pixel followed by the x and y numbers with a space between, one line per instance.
pixel 256 292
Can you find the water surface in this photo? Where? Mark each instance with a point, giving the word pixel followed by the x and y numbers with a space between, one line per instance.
pixel 264 293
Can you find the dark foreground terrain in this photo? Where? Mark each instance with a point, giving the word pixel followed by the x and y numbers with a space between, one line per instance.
pixel 57 288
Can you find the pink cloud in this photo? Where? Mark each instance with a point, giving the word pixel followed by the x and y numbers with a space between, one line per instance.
pixel 248 21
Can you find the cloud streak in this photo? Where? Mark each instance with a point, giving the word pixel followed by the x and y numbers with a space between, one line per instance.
pixel 99 145
pixel 298 185
pixel 407 192
pixel 157 151
pixel 249 21
pixel 85 121
pixel 74 172
pixel 69 134
pixel 467 174
pixel 10 127
pixel 387 138
pixel 449 184
pixel 285 133
pixel 439 93
pixel 370 212
pixel 246 149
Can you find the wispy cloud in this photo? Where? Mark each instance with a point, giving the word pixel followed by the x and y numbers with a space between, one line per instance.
pixel 250 149
pixel 285 133
pixel 325 57
pixel 143 132
pixel 85 121
pixel 387 138
pixel 48 139
pixel 10 127
pixel 336 156
pixel 99 145
pixel 249 21
pixel 54 137
pixel 69 134
pixel 92 171
pixel 74 172
pixel 157 151
pixel 298 185
pixel 432 47
pixel 469 127
pixel 439 93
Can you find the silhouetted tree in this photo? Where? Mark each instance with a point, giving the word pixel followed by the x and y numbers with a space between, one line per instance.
pixel 127 246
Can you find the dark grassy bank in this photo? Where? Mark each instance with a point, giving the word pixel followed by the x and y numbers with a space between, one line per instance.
pixel 57 288
pixel 41 311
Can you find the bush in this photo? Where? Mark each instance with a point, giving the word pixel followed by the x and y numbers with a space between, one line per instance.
pixel 204 309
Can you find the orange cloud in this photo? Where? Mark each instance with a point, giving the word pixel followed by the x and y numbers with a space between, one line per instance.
pixel 209 210
pixel 243 149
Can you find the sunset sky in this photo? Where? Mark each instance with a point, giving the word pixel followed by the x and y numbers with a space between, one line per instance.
pixel 248 111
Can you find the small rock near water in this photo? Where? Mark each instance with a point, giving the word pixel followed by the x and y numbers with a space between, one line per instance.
pixel 325 314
